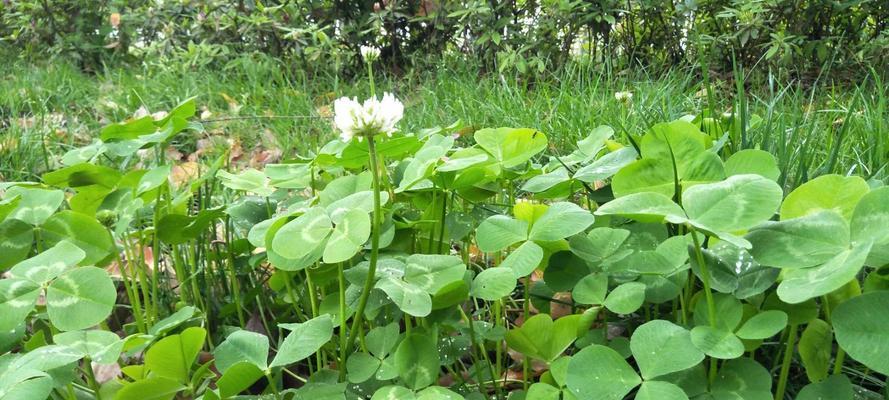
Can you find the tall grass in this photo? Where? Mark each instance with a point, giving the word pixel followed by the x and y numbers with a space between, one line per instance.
pixel 813 128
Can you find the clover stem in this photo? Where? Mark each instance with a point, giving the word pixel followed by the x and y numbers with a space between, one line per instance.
pixel 785 364
pixel 374 246
pixel 526 313
pixel 841 355
pixel 291 293
pixel 498 354
pixel 313 303
pixel 191 257
pixel 476 347
pixel 342 295
pixel 143 285
pixel 431 240
pixel 683 307
pixel 711 305
pixel 444 215
pixel 705 277
pixel 151 305
pixel 273 384
pixel 370 75
pixel 838 361
pixel 313 299
pixel 230 263
pixel 91 377
pixel 129 286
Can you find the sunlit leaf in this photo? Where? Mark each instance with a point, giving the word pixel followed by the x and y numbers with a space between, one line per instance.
pixel 827 192
pixel 302 235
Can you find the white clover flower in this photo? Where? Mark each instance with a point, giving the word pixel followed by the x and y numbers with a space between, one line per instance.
pixel 623 97
pixel 370 53
pixel 369 119
pixel 346 112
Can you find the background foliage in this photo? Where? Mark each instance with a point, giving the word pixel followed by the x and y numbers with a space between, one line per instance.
pixel 526 35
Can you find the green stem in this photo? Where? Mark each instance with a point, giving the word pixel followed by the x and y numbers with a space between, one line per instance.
pixel 129 286
pixel 498 354
pixel 441 232
pixel 155 256
pixel 838 361
pixel 193 277
pixel 374 246
pixel 313 300
pixel 91 377
pixel 291 293
pixel 313 304
pixel 711 305
pixel 273 384
pixel 178 262
pixel 785 364
pixel 431 240
pixel 477 347
pixel 705 277
pixel 370 74
pixel 342 298
pixel 143 286
pixel 526 313
pixel 841 354
pixel 683 308
pixel 235 285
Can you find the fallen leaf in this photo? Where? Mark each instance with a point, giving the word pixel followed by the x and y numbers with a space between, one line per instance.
pixel 182 174
pixel 105 372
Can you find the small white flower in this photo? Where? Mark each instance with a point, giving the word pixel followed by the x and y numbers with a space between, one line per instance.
pixel 369 119
pixel 346 112
pixel 370 53
pixel 623 97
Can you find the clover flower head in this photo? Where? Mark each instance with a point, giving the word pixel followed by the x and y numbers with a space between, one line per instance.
pixel 370 53
pixel 623 97
pixel 371 118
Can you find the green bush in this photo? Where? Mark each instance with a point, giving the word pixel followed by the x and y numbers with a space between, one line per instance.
pixel 529 37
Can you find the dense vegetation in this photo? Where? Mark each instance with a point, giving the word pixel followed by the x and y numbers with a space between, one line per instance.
pixel 527 36
pixel 241 200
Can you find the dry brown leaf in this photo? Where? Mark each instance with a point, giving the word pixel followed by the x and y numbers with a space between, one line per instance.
pixel 324 111
pixel 183 173
pixel 105 372
pixel 537 366
pixel 26 122
pixel 269 138
pixel 236 152
pixel 561 307
pixel 140 112
pixel 260 157
pixel 173 154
